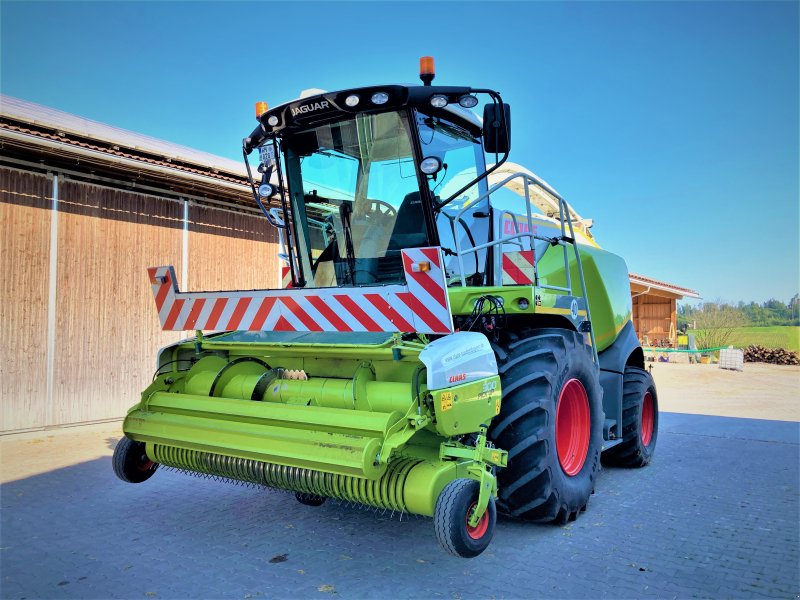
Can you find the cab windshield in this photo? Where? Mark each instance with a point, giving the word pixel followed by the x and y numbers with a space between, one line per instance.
pixel 463 223
pixel 354 183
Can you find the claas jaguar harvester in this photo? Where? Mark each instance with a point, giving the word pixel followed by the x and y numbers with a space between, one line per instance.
pixel 434 350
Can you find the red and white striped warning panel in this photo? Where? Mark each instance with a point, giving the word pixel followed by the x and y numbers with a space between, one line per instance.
pixel 419 306
pixel 286 277
pixel 518 268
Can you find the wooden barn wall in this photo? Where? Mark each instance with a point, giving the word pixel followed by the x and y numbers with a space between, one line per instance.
pixel 230 251
pixel 654 317
pixel 107 327
pixel 25 200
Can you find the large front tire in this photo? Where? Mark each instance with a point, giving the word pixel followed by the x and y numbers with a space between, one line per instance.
pixel 551 423
pixel 639 421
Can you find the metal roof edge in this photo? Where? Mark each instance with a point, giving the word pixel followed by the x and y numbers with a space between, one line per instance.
pixel 662 285
pixel 44 116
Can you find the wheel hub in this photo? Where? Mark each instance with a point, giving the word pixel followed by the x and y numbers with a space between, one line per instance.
pixel 479 530
pixel 573 426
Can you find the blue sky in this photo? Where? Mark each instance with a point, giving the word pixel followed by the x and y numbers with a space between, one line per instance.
pixel 673 124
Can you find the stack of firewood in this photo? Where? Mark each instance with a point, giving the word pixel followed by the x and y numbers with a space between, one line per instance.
pixel 775 356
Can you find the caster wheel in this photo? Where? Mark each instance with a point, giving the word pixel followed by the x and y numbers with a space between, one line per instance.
pixel 131 463
pixel 451 519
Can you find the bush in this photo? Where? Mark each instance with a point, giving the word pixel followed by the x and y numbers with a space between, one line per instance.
pixel 716 325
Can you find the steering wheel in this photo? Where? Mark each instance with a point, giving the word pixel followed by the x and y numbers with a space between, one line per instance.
pixel 382 208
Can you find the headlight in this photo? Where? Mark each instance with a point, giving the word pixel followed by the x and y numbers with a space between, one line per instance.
pixel 438 101
pixel 468 101
pixel 265 190
pixel 430 165
pixel 380 98
pixel 352 100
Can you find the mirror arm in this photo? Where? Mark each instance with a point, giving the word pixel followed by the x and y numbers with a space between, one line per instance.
pixel 496 99
pixel 256 197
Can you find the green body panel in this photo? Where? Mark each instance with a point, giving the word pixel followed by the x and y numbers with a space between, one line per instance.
pixel 607 287
pixel 296 436
pixel 462 299
pixel 465 408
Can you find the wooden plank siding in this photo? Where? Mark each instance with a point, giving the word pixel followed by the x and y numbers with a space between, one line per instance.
pixel 656 318
pixel 25 200
pixel 230 251
pixel 107 328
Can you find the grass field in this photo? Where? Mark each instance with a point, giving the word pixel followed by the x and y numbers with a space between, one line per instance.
pixel 770 337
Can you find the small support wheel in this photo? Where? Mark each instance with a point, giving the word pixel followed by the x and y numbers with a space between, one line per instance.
pixel 131 463
pixel 451 519
pixel 310 499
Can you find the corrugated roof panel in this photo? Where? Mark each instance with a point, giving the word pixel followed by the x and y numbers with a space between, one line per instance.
pixel 37 114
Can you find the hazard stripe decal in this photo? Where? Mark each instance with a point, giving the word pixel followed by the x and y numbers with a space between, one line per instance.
pixel 421 305
pixel 194 313
pixel 518 268
pixel 286 277
pixel 326 312
pixel 385 308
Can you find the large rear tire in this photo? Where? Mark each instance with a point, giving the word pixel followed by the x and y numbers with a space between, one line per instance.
pixel 639 421
pixel 551 423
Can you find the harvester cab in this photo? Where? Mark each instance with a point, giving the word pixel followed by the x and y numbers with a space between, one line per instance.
pixel 431 351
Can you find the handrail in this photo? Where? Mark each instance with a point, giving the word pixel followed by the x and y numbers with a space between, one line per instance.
pixel 565 222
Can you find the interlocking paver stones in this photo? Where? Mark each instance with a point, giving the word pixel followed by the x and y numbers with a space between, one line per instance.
pixel 715 515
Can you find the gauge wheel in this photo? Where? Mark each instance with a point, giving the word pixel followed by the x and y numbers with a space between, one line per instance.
pixel 131 463
pixel 454 507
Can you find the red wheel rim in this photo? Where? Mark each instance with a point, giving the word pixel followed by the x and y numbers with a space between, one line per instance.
pixel 648 418
pixel 479 530
pixel 145 464
pixel 573 425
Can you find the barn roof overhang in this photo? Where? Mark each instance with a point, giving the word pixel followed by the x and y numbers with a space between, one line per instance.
pixel 641 285
pixel 35 134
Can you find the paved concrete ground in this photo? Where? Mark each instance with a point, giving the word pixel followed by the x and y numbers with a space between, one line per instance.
pixel 715 515
pixel 760 391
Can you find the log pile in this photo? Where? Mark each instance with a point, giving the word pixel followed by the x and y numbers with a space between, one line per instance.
pixel 774 356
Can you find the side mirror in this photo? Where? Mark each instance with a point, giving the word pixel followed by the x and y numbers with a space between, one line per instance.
pixel 496 138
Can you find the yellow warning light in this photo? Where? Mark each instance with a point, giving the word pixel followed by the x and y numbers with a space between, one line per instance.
pixel 426 70
pixel 261 108
pixel 426 66
pixel 420 267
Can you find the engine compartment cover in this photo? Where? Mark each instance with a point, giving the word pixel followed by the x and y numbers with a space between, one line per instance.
pixel 457 359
